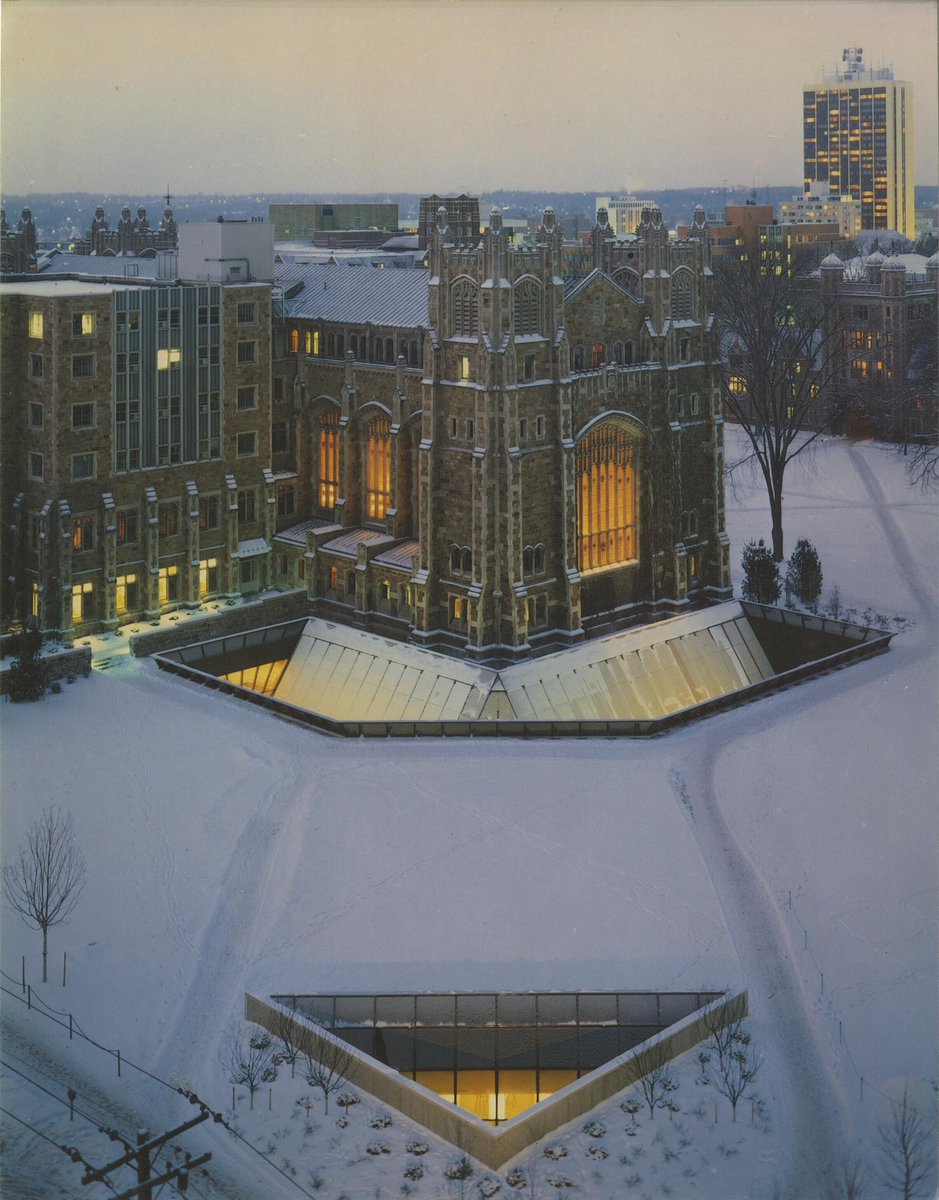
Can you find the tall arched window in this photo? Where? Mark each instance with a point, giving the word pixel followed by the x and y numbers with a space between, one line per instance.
pixel 329 460
pixel 606 498
pixel 464 306
pixel 527 302
pixel 377 468
pixel 294 340
pixel 682 300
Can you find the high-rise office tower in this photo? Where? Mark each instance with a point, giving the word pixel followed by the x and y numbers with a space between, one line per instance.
pixel 858 139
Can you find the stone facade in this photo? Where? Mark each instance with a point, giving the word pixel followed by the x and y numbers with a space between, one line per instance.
pixel 471 540
pixel 131 236
pixel 136 456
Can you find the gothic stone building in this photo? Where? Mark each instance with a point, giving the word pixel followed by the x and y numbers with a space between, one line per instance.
pixel 491 459
pixel 487 458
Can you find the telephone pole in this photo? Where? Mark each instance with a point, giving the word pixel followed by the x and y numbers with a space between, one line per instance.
pixel 142 1157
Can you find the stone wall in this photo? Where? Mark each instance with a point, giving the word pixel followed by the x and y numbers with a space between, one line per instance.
pixel 62 664
pixel 271 610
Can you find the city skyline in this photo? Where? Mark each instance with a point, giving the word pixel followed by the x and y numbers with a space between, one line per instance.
pixel 608 95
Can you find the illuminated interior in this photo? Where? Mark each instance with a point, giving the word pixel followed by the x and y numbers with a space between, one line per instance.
pixel 496 1055
pixel 262 678
pixel 329 460
pixel 606 495
pixel 378 468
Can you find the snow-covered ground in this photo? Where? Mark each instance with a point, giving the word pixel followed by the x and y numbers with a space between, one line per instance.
pixel 788 846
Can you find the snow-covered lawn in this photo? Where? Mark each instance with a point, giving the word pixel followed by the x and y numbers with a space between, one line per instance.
pixel 788 846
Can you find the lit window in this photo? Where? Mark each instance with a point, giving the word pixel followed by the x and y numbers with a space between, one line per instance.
pixel 334 579
pixel 316 342
pixel 329 461
pixel 465 367
pixel 294 344
pixel 247 444
pixel 457 612
pixel 83 602
pixel 737 384
pixel 83 534
pixel 168 520
pixel 126 526
pixel 34 599
pixel 127 593
pixel 83 466
pixel 35 324
pixel 163 360
pixel 168 585
pixel 377 468
pixel 83 324
pixel 606 511
pixel 208 577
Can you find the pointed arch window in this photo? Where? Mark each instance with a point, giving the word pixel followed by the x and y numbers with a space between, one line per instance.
pixel 606 498
pixel 329 460
pixel 377 468
pixel 465 308
pixel 527 303
pixel 682 299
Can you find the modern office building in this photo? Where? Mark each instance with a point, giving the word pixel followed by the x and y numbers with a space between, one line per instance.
pixel 624 212
pixel 299 222
pixel 858 140
pixel 820 206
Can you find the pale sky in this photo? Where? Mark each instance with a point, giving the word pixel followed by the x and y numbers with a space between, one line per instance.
pixel 449 95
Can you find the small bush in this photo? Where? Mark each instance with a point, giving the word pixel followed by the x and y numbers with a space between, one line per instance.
pixel 462 1168
pixel 804 572
pixel 29 675
pixel 517 1179
pixel 760 573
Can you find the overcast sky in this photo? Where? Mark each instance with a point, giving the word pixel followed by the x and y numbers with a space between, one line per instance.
pixel 448 95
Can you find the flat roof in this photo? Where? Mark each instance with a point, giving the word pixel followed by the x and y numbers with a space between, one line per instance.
pixel 53 288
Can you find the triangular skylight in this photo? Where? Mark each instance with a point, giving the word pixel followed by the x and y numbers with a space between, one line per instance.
pixel 493 1072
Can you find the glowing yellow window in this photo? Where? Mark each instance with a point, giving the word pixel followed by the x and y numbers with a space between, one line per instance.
pixel 377 468
pixel 34 599
pixel 35 324
pixel 465 368
pixel 176 355
pixel 126 593
pixel 329 461
pixel 606 512
pixel 208 576
pixel 83 601
pixel 294 341
pixel 163 360
pixel 168 583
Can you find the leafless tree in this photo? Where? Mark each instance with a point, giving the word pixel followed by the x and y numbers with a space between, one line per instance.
pixel 287 1032
pixel 44 882
pixel 728 1057
pixel 783 352
pixel 656 1084
pixel 248 1058
pixel 331 1066
pixel 907 1150
pixel 849 1183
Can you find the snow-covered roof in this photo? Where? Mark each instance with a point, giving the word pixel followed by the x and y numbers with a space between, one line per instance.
pixel 123 267
pixel 346 294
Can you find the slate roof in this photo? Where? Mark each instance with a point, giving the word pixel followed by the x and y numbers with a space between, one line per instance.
pixel 125 268
pixel 574 284
pixel 354 294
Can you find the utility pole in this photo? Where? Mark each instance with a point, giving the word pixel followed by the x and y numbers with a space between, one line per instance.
pixel 142 1157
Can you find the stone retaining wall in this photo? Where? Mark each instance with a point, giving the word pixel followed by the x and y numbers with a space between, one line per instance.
pixel 270 610
pixel 62 664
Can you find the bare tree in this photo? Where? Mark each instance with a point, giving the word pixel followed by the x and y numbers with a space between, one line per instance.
pixel 285 1029
pixel 44 882
pixel 907 1150
pixel 783 354
pixel 248 1058
pixel 656 1083
pixel 331 1066
pixel 849 1182
pixel 728 1058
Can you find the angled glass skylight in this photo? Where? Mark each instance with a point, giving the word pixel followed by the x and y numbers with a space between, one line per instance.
pixel 496 1055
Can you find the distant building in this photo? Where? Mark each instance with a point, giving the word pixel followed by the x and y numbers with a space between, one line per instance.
pixel 858 141
pixel 132 235
pixel 801 244
pixel 462 218
pixel 18 246
pixel 624 212
pixel 820 206
pixel 300 222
